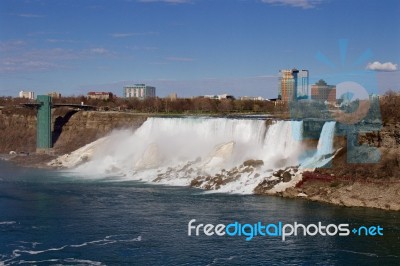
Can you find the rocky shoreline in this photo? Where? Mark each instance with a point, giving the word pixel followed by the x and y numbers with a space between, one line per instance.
pixel 294 183
pixel 372 194
pixel 289 183
pixel 350 185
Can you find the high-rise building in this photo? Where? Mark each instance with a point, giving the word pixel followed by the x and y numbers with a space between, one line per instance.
pixel 288 85
pixel 140 91
pixel 302 85
pixel 27 94
pixel 321 91
pixel 293 84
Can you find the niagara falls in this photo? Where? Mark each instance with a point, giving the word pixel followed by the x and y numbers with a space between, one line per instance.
pixel 199 133
pixel 176 151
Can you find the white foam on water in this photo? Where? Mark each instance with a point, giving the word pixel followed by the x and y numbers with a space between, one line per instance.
pixel 7 222
pixel 62 261
pixel 175 151
pixel 105 241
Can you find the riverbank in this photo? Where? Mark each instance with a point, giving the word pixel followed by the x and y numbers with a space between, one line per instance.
pixel 370 193
pixel 345 184
pixel 352 193
pixel 379 194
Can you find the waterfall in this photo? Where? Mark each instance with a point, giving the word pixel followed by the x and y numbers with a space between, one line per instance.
pixel 325 142
pixel 282 143
pixel 165 142
pixel 176 151
pixel 324 148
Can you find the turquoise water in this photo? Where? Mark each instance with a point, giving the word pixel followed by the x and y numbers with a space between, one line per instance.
pixel 50 218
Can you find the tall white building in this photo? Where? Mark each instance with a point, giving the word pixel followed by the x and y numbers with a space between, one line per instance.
pixel 27 94
pixel 141 91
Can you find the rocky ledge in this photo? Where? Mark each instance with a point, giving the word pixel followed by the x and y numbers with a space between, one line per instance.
pixel 349 192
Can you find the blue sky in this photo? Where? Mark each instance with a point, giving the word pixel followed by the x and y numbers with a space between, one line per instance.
pixel 195 47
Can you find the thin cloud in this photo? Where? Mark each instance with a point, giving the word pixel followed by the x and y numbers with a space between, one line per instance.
pixel 12 65
pixel 147 48
pixel 167 1
pixel 38 33
pixel 60 41
pixel 130 34
pixel 158 63
pixel 38 60
pixel 304 4
pixel 179 59
pixel 12 45
pixel 99 50
pixel 385 67
pixel 26 15
pixel 265 76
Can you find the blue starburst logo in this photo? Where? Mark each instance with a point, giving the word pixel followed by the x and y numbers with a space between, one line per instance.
pixel 357 107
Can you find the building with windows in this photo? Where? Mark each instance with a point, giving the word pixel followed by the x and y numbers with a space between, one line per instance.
pixel 220 97
pixel 293 84
pixel 100 95
pixel 27 94
pixel 321 91
pixel 302 84
pixel 251 98
pixel 141 91
pixel 288 85
pixel 54 94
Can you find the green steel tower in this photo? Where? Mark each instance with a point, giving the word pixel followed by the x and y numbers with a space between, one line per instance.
pixel 43 133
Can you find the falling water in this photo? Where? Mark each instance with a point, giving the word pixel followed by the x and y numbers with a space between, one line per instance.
pixel 323 155
pixel 205 146
pixel 325 143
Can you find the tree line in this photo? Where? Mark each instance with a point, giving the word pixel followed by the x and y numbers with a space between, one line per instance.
pixel 388 106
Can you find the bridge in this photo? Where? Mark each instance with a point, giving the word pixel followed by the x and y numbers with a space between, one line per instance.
pixel 54 105
pixel 44 140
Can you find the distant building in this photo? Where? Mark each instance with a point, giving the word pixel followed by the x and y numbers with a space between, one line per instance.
pixel 321 91
pixel 173 96
pixel 27 94
pixel 293 84
pixel 220 97
pixel 302 85
pixel 100 95
pixel 141 91
pixel 288 85
pixel 54 94
pixel 259 98
pixel 374 97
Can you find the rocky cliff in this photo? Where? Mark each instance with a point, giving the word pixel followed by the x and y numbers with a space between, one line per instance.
pixel 84 127
pixel 17 131
pixel 387 140
pixel 71 129
pixel 375 185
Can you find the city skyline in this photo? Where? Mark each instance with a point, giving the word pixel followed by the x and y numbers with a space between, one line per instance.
pixel 194 47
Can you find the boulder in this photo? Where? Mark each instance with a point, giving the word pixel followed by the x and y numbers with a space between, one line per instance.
pixel 286 177
pixel 254 163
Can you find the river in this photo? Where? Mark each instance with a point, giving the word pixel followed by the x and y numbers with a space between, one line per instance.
pixel 52 218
